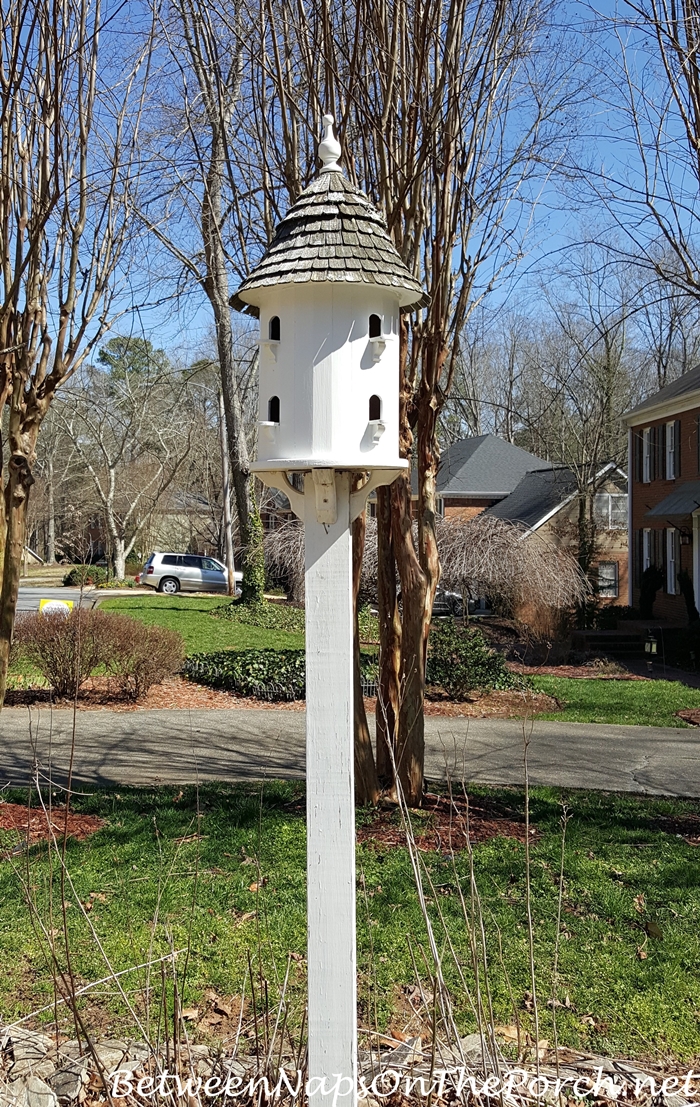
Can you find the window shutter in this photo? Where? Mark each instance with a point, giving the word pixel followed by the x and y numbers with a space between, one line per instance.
pixel 661 452
pixel 652 453
pixel 664 561
pixel 637 453
pixel 637 554
pixel 677 446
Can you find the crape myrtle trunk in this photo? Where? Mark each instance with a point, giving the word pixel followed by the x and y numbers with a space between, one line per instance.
pixel 404 645
pixel 366 782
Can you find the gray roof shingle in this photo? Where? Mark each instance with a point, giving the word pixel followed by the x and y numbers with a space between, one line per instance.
pixel 688 382
pixel 484 466
pixel 536 495
pixel 332 233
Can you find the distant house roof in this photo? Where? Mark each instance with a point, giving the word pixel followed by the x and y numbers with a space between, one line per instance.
pixel 537 495
pixel 484 466
pixel 540 494
pixel 677 390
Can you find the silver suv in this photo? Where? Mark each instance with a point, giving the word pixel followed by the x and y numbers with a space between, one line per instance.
pixel 172 572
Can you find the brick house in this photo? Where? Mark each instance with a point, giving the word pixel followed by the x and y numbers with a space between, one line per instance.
pixel 547 503
pixel 664 524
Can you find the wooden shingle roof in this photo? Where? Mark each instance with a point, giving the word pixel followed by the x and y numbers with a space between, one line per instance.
pixel 332 233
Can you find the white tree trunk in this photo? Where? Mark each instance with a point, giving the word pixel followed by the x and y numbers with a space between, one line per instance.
pixel 51 512
pixel 226 482
pixel 118 558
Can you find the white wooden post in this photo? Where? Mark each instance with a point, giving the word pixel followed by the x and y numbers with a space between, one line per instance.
pixel 330 792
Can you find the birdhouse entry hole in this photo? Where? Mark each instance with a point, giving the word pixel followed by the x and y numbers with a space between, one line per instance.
pixel 275 333
pixel 375 326
pixel 273 404
pixel 375 405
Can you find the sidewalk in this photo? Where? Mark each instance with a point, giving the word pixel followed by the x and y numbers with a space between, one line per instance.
pixel 177 747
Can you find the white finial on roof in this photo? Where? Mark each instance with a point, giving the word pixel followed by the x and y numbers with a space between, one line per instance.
pixel 329 147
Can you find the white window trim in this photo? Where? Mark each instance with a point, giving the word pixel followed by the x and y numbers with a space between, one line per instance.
pixel 646 455
pixel 646 548
pixel 671 451
pixel 671 567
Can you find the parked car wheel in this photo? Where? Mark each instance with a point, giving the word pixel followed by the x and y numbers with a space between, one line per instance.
pixel 169 585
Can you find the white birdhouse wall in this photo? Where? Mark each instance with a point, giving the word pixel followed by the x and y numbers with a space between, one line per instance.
pixel 329 375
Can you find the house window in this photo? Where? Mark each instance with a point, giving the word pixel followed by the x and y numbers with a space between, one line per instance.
pixel 671 560
pixel 439 507
pixel 610 510
pixel 646 548
pixel 274 330
pixel 273 409
pixel 646 455
pixel 608 579
pixel 670 451
pixel 375 326
pixel 375 409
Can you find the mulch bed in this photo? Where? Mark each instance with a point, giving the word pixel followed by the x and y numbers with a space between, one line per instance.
pixel 33 824
pixel 98 693
pixel 686 827
pixel 689 715
pixel 441 825
pixel 580 672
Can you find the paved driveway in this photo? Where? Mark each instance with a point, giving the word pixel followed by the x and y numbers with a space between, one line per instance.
pixel 29 597
pixel 175 747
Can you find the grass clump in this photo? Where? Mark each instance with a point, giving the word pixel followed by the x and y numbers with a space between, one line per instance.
pixel 220 870
pixel 191 617
pixel 638 702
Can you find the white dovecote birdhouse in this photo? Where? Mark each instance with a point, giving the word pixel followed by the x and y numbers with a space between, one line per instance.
pixel 328 292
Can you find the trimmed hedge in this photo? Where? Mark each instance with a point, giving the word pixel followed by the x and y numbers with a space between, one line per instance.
pixel 263 674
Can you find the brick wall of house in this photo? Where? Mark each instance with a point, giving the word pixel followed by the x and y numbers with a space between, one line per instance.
pixel 611 545
pixel 646 496
pixel 465 509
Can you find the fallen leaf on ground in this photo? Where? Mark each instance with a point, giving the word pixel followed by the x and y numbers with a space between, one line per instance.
pixel 510 1033
pixel 190 1013
pixel 639 904
pixel 642 953
pixel 653 929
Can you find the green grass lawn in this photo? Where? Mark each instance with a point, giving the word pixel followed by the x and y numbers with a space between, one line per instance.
pixel 642 702
pixel 190 616
pixel 147 876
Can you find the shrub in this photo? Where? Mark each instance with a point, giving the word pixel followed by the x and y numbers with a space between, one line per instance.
pixel 65 648
pixel 264 674
pixel 460 661
pixel 138 656
pixel 82 575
